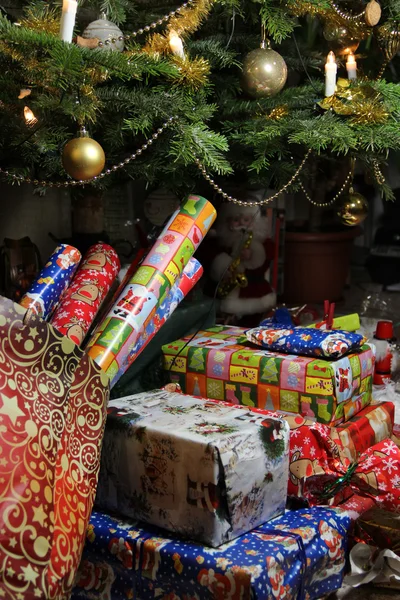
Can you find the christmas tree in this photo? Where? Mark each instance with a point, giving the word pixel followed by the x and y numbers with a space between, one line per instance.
pixel 173 94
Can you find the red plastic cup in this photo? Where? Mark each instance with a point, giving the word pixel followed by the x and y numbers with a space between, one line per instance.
pixel 384 330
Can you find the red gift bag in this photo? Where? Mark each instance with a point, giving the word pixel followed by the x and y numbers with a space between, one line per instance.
pixel 53 402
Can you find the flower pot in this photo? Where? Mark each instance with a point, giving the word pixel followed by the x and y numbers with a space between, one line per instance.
pixel 316 265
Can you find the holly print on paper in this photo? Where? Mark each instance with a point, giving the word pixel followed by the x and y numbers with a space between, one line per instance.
pixel 206 428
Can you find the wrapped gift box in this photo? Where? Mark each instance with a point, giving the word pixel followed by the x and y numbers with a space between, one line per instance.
pixel 298 555
pixel 192 467
pixel 52 413
pixel 313 444
pixel 219 363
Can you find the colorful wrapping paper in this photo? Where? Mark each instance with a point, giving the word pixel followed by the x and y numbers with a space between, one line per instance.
pixel 117 335
pixel 218 364
pixel 313 445
pixel 52 412
pixel 186 282
pixel 78 308
pixel 195 468
pixel 298 555
pixel 304 341
pixel 52 281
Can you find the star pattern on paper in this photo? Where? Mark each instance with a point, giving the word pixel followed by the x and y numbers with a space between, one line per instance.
pixel 18 337
pixel 39 515
pixel 13 542
pixel 10 407
pixel 33 332
pixel 29 574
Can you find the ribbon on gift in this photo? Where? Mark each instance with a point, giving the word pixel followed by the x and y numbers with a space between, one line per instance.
pixel 375 475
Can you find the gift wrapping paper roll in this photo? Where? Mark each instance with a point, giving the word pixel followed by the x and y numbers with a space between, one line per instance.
pixel 190 276
pixel 117 335
pixel 52 281
pixel 79 306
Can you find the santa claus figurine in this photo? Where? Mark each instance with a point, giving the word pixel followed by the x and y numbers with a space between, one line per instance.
pixel 241 267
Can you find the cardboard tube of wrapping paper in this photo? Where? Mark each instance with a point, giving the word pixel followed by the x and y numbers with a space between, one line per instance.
pixel 138 303
pixel 88 289
pixel 190 276
pixel 52 281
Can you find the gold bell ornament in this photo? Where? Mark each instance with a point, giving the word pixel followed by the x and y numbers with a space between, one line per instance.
pixel 82 157
pixel 264 71
pixel 353 209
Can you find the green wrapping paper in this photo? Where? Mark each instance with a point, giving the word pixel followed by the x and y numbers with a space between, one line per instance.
pixel 113 345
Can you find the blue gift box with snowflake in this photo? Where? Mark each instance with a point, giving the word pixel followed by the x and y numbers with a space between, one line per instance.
pixel 298 555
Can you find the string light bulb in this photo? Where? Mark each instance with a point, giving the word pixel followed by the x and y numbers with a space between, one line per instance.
pixel 176 44
pixel 29 117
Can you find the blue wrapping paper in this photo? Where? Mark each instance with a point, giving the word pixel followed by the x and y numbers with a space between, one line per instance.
pixel 304 341
pixel 300 555
pixel 49 286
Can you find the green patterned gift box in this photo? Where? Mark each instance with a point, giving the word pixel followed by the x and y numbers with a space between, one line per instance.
pixel 219 363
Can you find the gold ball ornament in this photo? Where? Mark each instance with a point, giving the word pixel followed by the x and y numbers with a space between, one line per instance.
pixel 341 40
pixel 353 209
pixel 264 73
pixel 83 158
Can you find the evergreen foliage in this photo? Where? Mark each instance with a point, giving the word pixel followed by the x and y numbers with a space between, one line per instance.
pixel 122 98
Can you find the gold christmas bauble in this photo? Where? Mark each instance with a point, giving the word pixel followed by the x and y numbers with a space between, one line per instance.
pixel 264 73
pixel 353 209
pixel 83 158
pixel 341 40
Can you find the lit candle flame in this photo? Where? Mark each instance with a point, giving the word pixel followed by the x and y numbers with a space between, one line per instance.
pixel 176 44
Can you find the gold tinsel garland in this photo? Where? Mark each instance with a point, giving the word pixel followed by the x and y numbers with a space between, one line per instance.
pixel 192 73
pixel 360 102
pixel 47 21
pixel 184 24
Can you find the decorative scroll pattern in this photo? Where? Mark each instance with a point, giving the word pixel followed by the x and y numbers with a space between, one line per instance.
pixel 52 413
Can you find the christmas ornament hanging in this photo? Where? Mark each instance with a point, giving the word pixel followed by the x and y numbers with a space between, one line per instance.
pixel 264 72
pixel 83 158
pixel 353 209
pixel 340 38
pixel 109 36
pixel 373 13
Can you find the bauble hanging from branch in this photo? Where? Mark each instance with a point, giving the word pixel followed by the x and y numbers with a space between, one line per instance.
pixel 353 209
pixel 83 158
pixel 109 36
pixel 264 71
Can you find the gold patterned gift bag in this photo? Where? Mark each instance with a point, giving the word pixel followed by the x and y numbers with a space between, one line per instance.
pixel 53 402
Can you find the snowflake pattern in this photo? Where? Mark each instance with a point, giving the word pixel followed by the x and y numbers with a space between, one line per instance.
pixel 390 465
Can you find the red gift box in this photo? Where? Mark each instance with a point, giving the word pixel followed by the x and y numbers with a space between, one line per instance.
pixel 52 413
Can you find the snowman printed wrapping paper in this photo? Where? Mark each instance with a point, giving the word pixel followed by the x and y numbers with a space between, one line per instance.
pixel 81 302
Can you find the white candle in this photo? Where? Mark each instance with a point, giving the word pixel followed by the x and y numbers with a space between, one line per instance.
pixel 176 44
pixel 351 66
pixel 330 74
pixel 67 23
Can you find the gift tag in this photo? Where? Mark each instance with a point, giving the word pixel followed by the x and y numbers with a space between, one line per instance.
pixel 372 13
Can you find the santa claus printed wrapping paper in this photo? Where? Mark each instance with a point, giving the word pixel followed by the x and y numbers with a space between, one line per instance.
pixel 219 363
pixel 298 555
pixel 192 467
pixel 52 413
pixel 48 288
pixel 82 300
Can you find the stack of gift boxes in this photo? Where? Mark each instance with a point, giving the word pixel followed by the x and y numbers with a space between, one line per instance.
pixel 193 489
pixel 195 478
